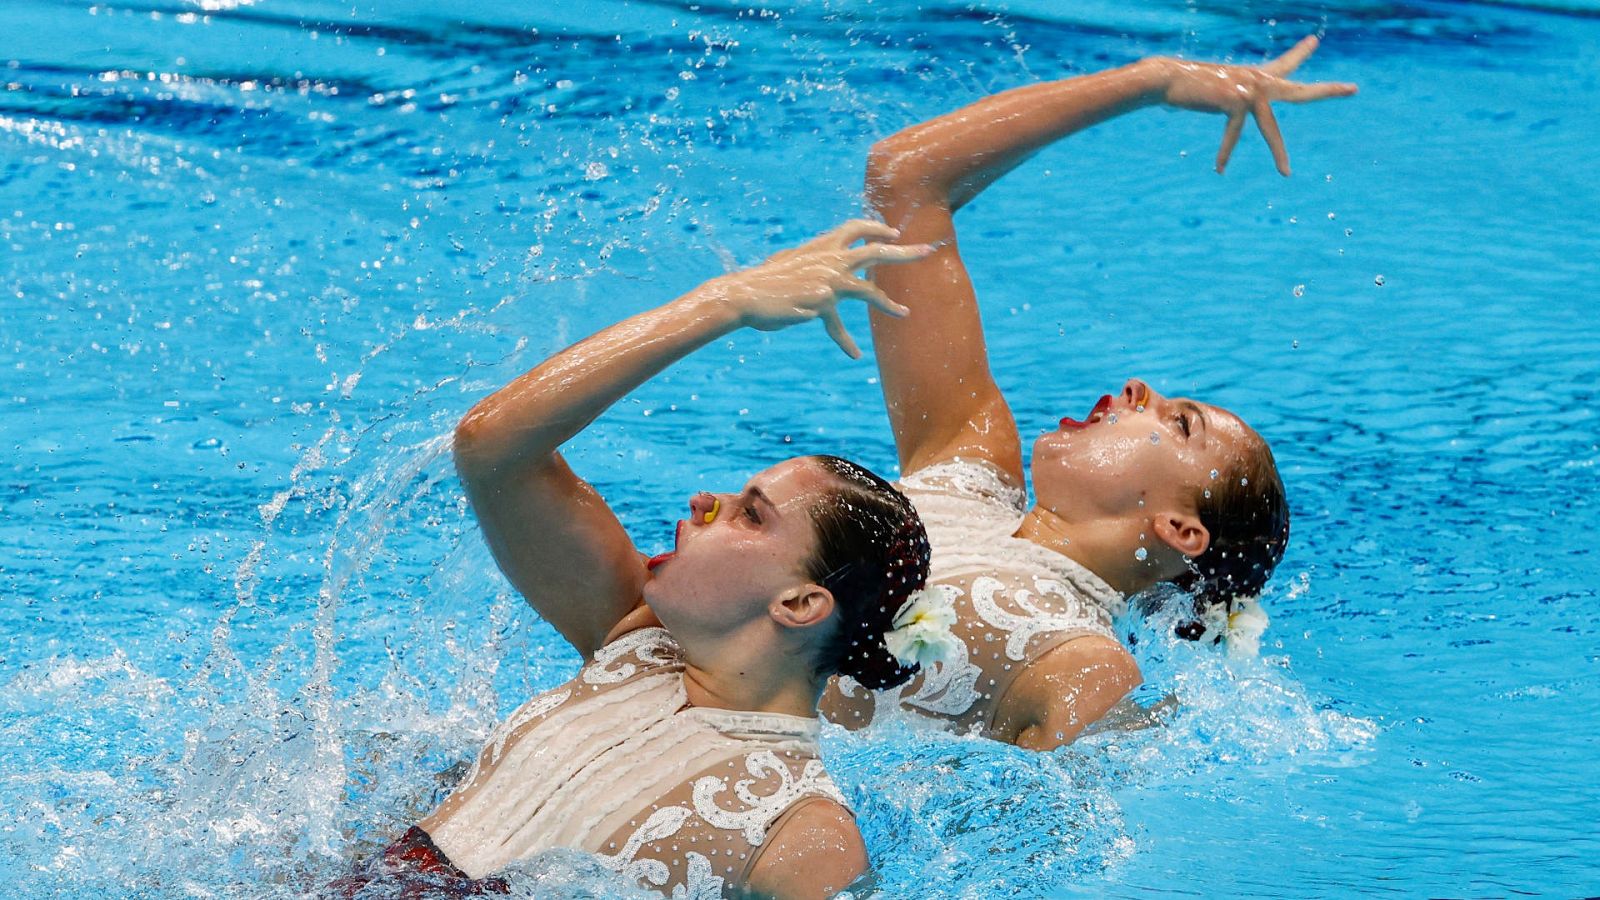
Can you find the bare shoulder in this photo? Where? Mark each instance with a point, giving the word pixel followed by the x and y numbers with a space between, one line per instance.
pixel 1065 690
pixel 815 850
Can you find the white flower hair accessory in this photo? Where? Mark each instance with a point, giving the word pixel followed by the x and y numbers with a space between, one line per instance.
pixel 921 632
pixel 1239 625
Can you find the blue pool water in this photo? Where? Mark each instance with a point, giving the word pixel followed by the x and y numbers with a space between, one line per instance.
pixel 259 256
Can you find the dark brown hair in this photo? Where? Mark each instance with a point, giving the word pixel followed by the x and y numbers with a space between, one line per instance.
pixel 872 554
pixel 1247 515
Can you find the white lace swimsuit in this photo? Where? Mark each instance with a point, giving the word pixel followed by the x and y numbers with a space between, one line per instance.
pixel 614 762
pixel 1014 600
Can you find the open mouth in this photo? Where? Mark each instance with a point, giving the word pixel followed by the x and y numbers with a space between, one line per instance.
pixel 660 559
pixel 1102 408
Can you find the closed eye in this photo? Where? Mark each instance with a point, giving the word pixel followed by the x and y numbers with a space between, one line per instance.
pixel 751 513
pixel 1183 424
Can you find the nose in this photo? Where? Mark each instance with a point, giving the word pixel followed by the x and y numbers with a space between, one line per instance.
pixel 704 507
pixel 1138 395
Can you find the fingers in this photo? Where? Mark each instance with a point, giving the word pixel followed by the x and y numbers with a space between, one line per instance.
pixel 861 230
pixel 1230 139
pixel 863 289
pixel 835 326
pixel 872 254
pixel 1290 61
pixel 1306 93
pixel 1268 123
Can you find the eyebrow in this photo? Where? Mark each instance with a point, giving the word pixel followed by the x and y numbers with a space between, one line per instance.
pixel 1199 413
pixel 761 495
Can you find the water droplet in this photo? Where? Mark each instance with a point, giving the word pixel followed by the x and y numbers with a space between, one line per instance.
pixel 1214 474
pixel 1378 281
pixel 1140 554
pixel 1111 419
pixel 1155 438
pixel 1331 217
pixel 1349 231
pixel 1294 345
pixel 1299 290
pixel 1208 493
pixel 1244 481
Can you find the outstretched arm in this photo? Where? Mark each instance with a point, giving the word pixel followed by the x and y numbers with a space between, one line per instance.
pixel 942 400
pixel 551 533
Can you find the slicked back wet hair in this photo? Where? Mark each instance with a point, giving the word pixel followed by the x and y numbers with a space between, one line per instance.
pixel 872 555
pixel 1247 516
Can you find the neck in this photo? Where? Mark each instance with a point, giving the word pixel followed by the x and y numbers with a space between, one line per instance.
pixel 1106 548
pixel 751 675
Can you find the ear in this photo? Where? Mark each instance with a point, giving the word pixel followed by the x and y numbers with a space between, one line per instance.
pixel 802 606
pixel 1182 532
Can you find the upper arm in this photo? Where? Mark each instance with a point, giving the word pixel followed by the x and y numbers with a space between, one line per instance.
pixel 1066 690
pixel 815 850
pixel 556 540
pixel 933 364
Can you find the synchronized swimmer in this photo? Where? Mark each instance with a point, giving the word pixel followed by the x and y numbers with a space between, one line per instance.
pixel 1035 589
pixel 684 751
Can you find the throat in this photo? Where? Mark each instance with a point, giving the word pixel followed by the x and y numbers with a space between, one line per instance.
pixel 1096 546
pixel 751 691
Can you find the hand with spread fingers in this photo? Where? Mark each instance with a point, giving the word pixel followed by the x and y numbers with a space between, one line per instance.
pixel 808 281
pixel 1238 91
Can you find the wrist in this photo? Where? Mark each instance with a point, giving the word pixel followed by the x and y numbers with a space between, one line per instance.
pixel 720 302
pixel 1153 76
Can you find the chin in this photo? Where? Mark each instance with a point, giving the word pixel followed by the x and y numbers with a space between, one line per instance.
pixel 1051 445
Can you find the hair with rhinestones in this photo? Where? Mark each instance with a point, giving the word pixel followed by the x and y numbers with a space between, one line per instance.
pixel 1247 515
pixel 872 555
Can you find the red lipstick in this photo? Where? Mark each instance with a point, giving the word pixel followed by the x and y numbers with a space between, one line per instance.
pixel 1101 407
pixel 655 561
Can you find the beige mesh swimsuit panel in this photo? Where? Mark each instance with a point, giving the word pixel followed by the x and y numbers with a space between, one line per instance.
pixel 1014 600
pixel 615 762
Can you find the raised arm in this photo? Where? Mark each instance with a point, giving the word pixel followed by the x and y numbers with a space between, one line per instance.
pixel 942 400
pixel 551 532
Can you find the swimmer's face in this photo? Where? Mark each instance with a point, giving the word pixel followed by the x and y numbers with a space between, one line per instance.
pixel 726 573
pixel 1138 454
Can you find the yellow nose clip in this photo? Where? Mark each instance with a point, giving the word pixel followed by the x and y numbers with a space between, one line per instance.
pixel 711 514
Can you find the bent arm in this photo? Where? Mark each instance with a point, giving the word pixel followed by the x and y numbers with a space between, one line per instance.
pixel 551 533
pixel 934 366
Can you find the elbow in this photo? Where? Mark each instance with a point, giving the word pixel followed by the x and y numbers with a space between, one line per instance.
pixel 488 449
pixel 472 430
pixel 898 175
pixel 890 164
pixel 477 441
pixel 467 443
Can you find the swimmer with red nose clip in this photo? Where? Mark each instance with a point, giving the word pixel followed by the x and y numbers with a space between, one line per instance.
pixel 684 752
pixel 1144 490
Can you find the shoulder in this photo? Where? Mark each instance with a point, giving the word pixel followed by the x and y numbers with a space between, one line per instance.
pixel 813 850
pixel 1066 689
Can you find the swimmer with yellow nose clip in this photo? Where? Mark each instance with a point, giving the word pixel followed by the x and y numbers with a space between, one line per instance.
pixel 684 752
